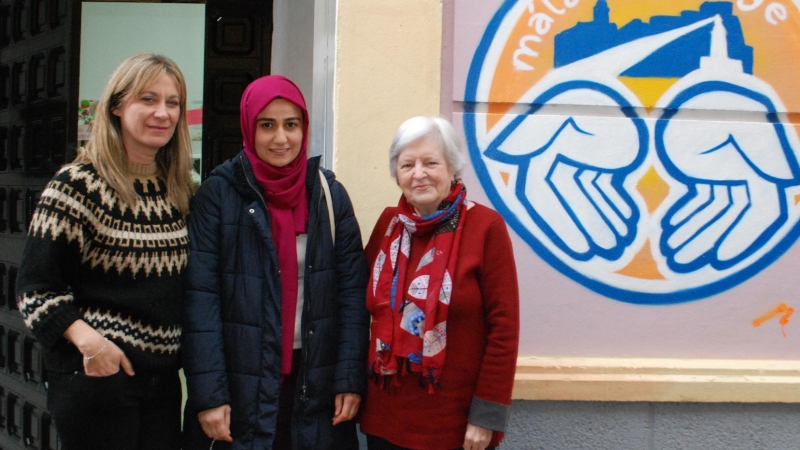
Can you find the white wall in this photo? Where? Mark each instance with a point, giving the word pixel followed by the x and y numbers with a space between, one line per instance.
pixel 303 40
pixel 293 42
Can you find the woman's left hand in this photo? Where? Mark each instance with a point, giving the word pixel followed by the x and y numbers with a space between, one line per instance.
pixel 346 407
pixel 477 438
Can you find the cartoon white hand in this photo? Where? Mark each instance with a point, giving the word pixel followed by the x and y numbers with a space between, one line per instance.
pixel 571 170
pixel 572 167
pixel 736 173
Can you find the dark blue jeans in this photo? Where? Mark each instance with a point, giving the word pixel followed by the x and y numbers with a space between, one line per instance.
pixel 117 412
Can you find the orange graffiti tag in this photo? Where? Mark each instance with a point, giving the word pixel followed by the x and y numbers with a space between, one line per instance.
pixel 787 312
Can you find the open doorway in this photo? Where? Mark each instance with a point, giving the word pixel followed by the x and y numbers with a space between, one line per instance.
pixel 111 32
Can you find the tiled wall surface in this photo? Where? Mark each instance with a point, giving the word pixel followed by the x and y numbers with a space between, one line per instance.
pixel 36 41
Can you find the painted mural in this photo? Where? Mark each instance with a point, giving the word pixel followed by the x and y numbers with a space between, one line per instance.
pixel 646 150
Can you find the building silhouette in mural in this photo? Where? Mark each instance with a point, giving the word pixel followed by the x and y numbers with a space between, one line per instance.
pixel 672 61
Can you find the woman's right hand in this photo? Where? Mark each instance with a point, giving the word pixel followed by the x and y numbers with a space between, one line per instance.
pixel 101 357
pixel 107 362
pixel 216 423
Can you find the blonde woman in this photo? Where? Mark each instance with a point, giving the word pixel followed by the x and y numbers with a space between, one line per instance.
pixel 100 279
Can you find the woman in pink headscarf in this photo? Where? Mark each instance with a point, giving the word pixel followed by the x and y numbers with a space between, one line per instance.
pixel 275 328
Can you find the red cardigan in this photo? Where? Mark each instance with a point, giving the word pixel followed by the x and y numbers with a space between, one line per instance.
pixel 482 339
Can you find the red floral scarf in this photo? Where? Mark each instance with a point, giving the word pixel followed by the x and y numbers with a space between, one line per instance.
pixel 409 329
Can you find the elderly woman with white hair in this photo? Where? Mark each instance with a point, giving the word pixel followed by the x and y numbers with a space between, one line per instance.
pixel 444 301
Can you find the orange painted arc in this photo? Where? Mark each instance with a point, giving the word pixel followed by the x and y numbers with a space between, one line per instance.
pixel 785 319
pixel 774 312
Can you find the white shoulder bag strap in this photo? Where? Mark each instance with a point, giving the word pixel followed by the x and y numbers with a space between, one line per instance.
pixel 328 200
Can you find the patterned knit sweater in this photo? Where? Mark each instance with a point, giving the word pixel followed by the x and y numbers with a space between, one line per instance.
pixel 89 256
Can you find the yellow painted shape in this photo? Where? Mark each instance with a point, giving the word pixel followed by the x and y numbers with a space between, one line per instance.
pixel 797 199
pixel 653 189
pixel 624 11
pixel 648 89
pixel 643 265
pixel 505 176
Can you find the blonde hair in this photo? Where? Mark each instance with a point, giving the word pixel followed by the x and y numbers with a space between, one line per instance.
pixel 106 150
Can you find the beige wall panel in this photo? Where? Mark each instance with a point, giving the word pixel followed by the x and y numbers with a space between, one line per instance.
pixel 388 62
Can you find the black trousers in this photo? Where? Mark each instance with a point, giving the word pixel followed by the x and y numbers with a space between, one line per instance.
pixel 283 429
pixel 117 412
pixel 376 443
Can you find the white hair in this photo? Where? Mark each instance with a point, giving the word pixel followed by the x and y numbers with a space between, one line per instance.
pixel 437 128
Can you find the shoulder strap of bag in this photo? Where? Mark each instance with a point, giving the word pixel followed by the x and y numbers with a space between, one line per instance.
pixel 328 200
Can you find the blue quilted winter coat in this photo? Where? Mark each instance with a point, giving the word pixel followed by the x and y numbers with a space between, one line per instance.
pixel 231 318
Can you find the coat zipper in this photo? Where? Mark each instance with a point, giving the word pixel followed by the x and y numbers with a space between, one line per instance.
pixel 253 187
pixel 306 306
pixel 304 388
pixel 303 396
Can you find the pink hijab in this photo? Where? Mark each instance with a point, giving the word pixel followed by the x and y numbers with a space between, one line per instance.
pixel 284 189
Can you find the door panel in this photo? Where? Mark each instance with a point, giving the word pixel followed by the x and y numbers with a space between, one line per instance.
pixel 39 45
pixel 238 48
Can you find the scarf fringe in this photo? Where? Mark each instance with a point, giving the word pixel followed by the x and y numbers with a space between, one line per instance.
pixel 429 382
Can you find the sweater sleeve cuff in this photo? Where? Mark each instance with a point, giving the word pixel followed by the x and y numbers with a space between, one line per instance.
pixel 490 415
pixel 48 314
pixel 352 381
pixel 53 331
pixel 56 323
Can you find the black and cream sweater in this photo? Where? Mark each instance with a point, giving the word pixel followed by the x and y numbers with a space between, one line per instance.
pixel 89 256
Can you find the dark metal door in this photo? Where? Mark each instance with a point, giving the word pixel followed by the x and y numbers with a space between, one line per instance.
pixel 39 57
pixel 238 49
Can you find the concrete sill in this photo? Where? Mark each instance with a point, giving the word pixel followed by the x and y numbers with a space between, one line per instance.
pixel 657 380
